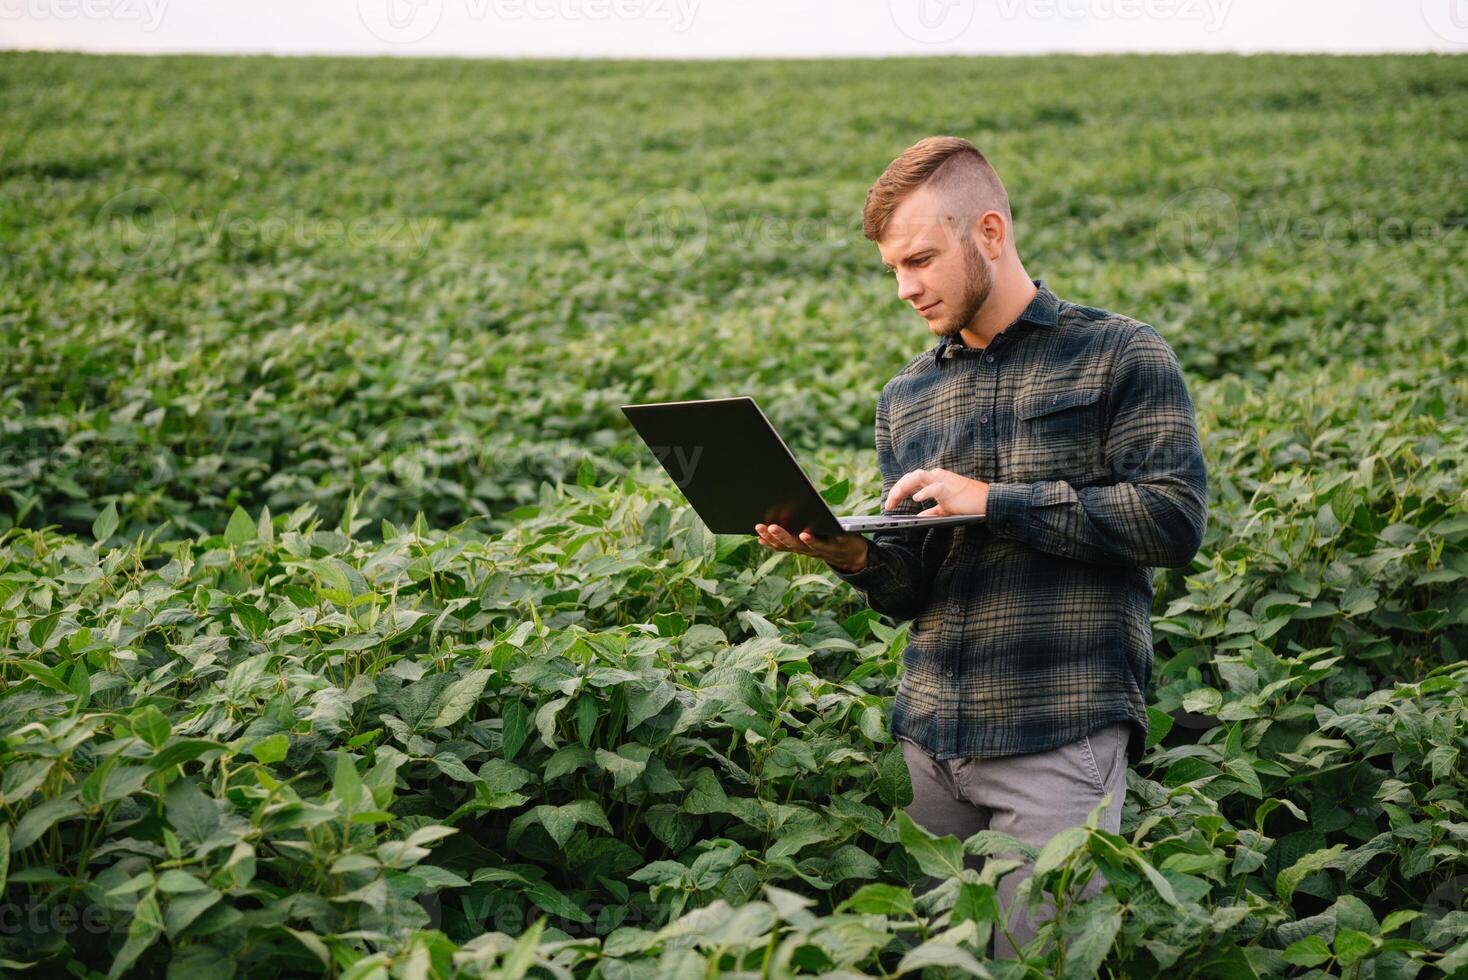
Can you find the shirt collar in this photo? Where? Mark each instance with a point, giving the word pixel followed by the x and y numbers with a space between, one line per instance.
pixel 1044 311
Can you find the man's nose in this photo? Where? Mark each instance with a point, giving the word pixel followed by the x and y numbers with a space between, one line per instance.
pixel 908 288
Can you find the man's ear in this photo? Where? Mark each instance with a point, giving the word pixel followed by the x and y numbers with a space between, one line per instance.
pixel 991 234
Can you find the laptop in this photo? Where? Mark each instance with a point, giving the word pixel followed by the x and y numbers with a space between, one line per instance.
pixel 736 471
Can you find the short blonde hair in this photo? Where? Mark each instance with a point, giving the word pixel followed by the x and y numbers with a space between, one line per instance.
pixel 954 166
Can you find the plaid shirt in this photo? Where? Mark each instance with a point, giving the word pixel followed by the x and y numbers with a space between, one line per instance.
pixel 1034 628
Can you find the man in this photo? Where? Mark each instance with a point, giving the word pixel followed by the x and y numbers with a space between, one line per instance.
pixel 1070 429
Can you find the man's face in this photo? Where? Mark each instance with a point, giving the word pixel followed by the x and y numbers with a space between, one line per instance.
pixel 940 270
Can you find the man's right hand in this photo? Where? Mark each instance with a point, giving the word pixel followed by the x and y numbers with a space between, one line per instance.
pixel 846 552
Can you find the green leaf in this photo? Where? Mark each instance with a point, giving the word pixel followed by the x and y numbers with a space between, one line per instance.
pixel 894 782
pixel 567 759
pixel 1059 848
pixel 106 523
pixel 1397 919
pixel 81 685
pixel 151 726
pixel 1310 951
pixel 312 943
pixel 706 795
pixel 938 856
pixel 271 749
pixel 644 704
pixel 192 814
pixel 945 955
pixel 240 528
pixel 625 764
pixel 976 902
pixel 1289 879
pixel 452 767
pixel 144 929
pixel 560 821
pixel 460 697
pixel 180 750
pixel 1351 946
pixel 436 879
pixel 515 727
pixel 41 631
pixel 40 819
pixel 175 880
pixel 522 956
pixel 545 720
pixel 587 710
pixel 1159 883
pixel 184 909
pixel 504 777
pixel 880 900
pixel 837 492
pixel 1090 931
pixel 552 900
pixel 346 784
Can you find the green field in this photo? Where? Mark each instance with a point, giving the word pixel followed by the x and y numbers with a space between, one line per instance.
pixel 348 629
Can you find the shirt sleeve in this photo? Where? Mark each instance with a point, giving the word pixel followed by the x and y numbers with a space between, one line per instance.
pixel 1155 511
pixel 895 580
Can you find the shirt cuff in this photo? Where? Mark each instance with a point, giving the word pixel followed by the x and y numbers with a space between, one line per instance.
pixel 870 575
pixel 1008 509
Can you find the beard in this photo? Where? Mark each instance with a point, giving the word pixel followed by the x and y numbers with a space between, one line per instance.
pixel 978 283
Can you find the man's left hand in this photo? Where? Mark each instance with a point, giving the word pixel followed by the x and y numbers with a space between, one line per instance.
pixel 954 494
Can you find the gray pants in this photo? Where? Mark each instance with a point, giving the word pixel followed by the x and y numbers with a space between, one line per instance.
pixel 1031 797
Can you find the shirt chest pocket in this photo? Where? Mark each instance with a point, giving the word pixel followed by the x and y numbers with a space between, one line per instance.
pixel 1060 435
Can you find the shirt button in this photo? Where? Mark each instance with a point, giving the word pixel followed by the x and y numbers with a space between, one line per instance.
pixel 949 671
pixel 983 420
pixel 989 358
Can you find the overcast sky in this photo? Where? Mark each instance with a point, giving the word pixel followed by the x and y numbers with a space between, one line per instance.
pixel 719 28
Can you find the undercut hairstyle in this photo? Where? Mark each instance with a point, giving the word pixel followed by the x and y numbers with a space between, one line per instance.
pixel 950 165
